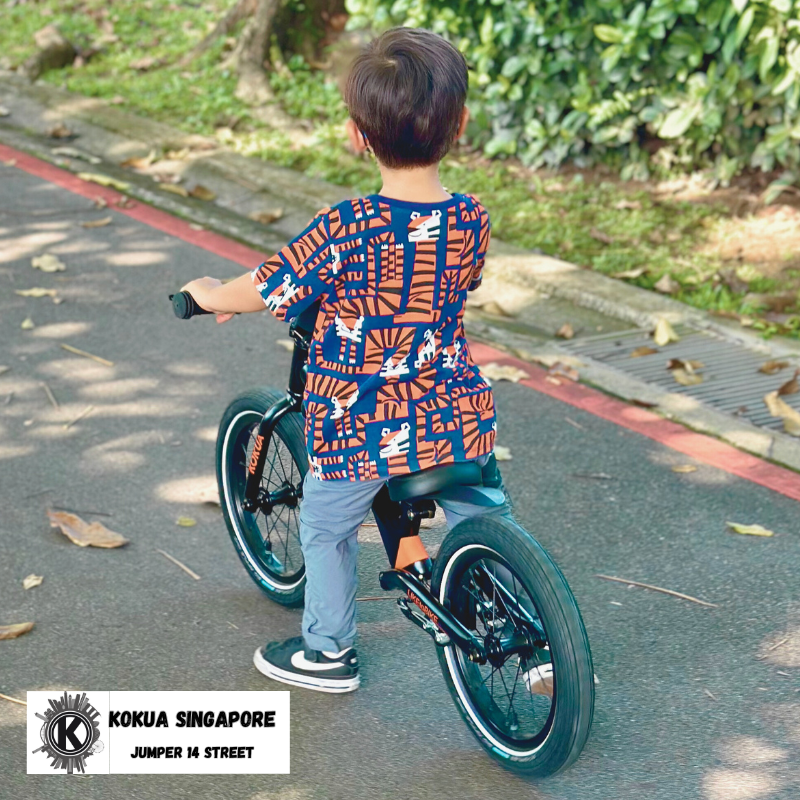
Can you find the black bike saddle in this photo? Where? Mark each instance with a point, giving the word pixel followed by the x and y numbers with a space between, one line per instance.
pixel 447 482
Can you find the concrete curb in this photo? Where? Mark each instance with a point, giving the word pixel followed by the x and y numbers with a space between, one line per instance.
pixel 114 135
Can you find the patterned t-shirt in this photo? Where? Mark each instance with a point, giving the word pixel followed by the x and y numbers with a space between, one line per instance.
pixel 391 386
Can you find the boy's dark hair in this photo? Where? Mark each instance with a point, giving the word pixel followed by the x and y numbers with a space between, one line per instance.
pixel 406 92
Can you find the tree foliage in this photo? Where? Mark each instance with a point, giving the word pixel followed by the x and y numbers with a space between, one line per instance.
pixel 662 83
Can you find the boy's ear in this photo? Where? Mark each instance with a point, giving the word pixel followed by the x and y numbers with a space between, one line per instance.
pixel 357 140
pixel 462 126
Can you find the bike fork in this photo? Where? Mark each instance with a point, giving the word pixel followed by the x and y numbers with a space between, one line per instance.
pixel 291 403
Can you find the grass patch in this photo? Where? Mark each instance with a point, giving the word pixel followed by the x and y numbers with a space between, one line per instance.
pixel 589 219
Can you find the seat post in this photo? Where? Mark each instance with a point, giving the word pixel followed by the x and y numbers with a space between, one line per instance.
pixel 398 523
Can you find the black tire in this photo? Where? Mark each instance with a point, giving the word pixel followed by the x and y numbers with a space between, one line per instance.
pixel 268 548
pixel 468 550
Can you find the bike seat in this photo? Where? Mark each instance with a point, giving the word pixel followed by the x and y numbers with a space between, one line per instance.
pixel 431 481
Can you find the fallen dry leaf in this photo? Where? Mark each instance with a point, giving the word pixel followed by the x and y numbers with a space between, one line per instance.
pixel 780 408
pixel 174 188
pixel 139 162
pixel 4 112
pixel 143 64
pixel 166 177
pixel 124 202
pixel 12 631
pixel 100 203
pixel 643 403
pixel 116 100
pixel 686 378
pixel 684 468
pixel 27 324
pixel 666 284
pixel 599 236
pixel 749 530
pixel 97 223
pixel 503 372
pixel 492 307
pixel 60 131
pixel 48 263
pixel 630 274
pixel 202 193
pixel 185 522
pixel 664 333
pixel 565 331
pixel 502 453
pixel 32 581
pixel 266 217
pixel 84 534
pixel 550 360
pixel 630 205
pixel 559 370
pixel 791 386
pixel 771 367
pixel 104 180
pixel 36 291
pixel 643 351
pixel 690 366
pixel 71 152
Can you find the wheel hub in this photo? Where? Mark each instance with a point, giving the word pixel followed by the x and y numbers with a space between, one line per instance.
pixel 286 495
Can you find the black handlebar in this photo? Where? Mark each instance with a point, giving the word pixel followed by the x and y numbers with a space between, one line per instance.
pixel 185 306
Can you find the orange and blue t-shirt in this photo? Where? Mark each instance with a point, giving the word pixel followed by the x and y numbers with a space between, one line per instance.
pixel 391 386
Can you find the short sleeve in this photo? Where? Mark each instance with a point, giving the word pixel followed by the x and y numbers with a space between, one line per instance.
pixel 300 273
pixel 483 235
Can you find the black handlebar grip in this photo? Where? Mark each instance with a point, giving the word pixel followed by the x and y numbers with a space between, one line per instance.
pixel 185 307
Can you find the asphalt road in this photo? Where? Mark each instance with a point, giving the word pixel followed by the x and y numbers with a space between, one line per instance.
pixel 685 707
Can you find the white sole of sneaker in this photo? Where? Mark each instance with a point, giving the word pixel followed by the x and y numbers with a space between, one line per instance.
pixel 327 685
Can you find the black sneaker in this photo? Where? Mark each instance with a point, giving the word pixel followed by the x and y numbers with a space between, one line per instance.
pixel 292 662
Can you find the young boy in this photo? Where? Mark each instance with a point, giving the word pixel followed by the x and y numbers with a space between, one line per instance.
pixel 391 385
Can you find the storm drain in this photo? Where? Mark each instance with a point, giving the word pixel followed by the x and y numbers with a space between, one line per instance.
pixel 731 380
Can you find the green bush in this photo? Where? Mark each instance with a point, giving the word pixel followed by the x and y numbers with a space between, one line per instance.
pixel 659 84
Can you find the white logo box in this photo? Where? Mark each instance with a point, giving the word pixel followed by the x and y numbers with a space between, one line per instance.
pixel 159 733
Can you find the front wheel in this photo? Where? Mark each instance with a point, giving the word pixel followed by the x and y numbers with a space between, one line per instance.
pixel 530 705
pixel 268 545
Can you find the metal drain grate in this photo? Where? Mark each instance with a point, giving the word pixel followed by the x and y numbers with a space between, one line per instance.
pixel 731 380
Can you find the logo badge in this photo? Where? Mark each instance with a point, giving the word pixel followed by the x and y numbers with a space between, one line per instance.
pixel 70 733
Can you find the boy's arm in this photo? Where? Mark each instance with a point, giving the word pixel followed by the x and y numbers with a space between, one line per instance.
pixel 285 283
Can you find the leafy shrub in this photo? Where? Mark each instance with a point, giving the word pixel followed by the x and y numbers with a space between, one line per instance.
pixel 658 84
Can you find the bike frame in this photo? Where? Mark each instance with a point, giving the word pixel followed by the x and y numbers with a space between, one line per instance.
pixel 398 523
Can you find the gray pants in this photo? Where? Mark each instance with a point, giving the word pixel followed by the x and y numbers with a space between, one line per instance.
pixel 330 515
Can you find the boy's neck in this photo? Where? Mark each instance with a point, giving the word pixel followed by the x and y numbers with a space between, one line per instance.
pixel 415 185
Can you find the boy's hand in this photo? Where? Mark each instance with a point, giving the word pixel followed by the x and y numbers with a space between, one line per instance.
pixel 201 289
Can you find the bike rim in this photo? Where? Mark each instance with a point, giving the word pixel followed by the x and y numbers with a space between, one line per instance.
pixel 496 698
pixel 271 542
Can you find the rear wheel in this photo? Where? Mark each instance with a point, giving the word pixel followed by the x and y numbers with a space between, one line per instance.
pixel 267 544
pixel 530 706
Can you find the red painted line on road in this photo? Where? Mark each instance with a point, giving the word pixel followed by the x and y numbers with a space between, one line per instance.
pixel 703 448
pixel 141 212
